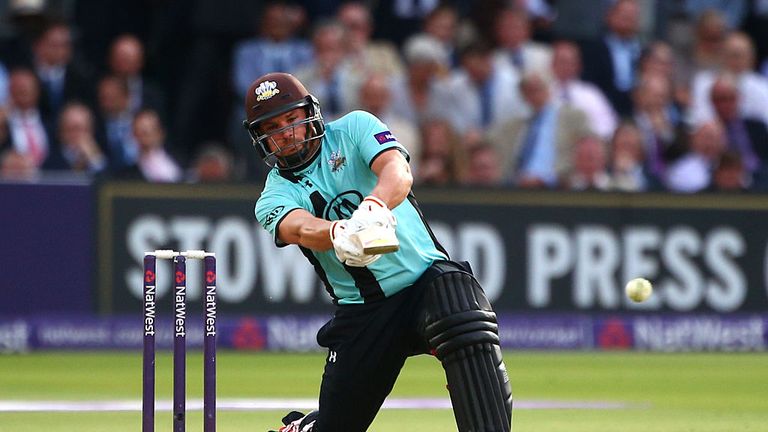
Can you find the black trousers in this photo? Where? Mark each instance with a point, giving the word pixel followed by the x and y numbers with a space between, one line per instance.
pixel 367 347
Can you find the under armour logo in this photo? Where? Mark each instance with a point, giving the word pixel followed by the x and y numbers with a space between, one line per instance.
pixel 331 356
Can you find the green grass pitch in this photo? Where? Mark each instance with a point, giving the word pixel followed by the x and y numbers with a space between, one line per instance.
pixel 662 392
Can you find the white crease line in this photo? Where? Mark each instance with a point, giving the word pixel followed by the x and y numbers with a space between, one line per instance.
pixel 279 404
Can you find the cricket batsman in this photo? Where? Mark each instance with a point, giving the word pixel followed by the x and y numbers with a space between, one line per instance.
pixel 342 193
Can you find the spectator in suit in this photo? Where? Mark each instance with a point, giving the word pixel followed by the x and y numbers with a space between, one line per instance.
pixel 376 98
pixel 611 62
pixel 658 122
pixel 627 159
pixel 441 25
pixel 362 55
pixel 659 58
pixel 212 164
pixel 692 172
pixel 115 123
pixel 328 77
pixel 537 151
pixel 27 126
pixel 414 95
pixel 480 93
pixel 276 49
pixel 590 169
pixel 709 33
pixel 746 136
pixel 515 49
pixel 365 54
pixel 443 159
pixel 585 96
pixel 154 163
pixel 484 167
pixel 739 61
pixel 77 140
pixel 126 61
pixel 62 80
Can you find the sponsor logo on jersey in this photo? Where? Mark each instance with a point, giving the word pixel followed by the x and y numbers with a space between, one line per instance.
pixel 337 161
pixel 385 137
pixel 266 90
pixel 273 214
pixel 343 205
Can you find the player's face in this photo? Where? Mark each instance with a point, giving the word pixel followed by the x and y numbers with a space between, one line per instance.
pixel 284 132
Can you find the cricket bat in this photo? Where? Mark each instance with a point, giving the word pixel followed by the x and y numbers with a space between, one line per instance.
pixel 376 240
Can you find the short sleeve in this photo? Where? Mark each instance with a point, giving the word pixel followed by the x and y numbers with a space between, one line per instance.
pixel 271 209
pixel 372 136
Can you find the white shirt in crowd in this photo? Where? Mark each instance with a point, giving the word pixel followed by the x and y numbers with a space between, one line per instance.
pixel 588 98
pixel 28 134
pixel 753 96
pixel 158 166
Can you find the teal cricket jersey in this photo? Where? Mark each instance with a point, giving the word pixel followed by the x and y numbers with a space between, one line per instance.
pixel 331 188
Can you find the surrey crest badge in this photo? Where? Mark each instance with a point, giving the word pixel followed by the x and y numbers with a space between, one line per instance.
pixel 266 90
pixel 337 161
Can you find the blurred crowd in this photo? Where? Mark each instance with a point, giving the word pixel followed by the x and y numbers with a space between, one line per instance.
pixel 622 95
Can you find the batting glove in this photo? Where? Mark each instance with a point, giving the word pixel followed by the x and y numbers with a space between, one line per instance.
pixel 347 250
pixel 374 212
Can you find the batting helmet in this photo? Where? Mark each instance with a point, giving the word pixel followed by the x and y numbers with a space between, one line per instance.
pixel 272 95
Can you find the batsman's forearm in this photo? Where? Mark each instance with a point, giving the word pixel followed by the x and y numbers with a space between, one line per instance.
pixel 304 229
pixel 395 181
pixel 314 234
